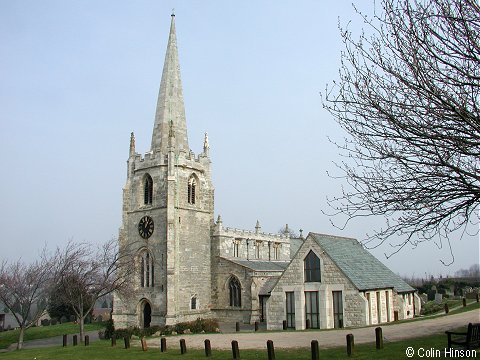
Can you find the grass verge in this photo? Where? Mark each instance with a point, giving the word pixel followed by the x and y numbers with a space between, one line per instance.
pixel 41 332
pixel 102 350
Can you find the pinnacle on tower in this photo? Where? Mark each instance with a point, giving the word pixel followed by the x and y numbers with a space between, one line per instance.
pixel 170 105
pixel 206 144
pixel 132 144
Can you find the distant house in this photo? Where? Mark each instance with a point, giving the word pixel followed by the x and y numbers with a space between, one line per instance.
pixel 334 282
pixel 7 321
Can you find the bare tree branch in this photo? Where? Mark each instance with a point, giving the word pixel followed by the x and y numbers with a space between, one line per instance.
pixel 409 98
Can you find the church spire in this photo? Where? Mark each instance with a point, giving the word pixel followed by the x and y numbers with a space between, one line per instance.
pixel 170 106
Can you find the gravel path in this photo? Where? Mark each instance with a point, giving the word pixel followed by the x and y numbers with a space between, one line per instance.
pixel 329 338
pixel 293 339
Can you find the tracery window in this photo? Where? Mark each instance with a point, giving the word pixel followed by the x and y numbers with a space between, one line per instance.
pixel 148 190
pixel 235 292
pixel 192 187
pixel 147 269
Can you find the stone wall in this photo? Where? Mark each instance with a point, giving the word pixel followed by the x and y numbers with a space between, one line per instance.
pixel 332 279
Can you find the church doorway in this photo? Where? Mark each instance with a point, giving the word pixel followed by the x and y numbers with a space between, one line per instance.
pixel 147 315
pixel 263 307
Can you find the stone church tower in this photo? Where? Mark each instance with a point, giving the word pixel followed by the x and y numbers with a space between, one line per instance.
pixel 167 216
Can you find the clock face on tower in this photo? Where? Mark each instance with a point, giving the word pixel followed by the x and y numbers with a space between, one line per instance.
pixel 145 227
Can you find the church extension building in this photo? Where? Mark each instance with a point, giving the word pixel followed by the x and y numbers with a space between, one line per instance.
pixel 189 265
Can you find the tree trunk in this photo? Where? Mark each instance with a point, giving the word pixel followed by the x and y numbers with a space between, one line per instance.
pixel 20 338
pixel 82 327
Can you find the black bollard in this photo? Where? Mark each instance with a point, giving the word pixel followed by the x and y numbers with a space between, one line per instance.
pixel 446 308
pixel 163 344
pixel 183 346
pixel 350 344
pixel 114 340
pixel 270 350
pixel 256 325
pixel 315 354
pixel 87 340
pixel 464 302
pixel 64 340
pixel 378 338
pixel 237 326
pixel 208 348
pixel 284 324
pixel 307 324
pixel 75 340
pixel 235 350
pixel 477 297
pixel 126 340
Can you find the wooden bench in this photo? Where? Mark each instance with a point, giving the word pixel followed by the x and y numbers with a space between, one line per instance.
pixel 467 340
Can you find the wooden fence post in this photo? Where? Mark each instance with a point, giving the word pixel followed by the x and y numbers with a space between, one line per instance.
pixel 284 324
pixel 144 344
pixel 464 302
pixel 235 350
pixel 256 325
pixel 126 340
pixel 163 344
pixel 183 346
pixel 350 344
pixel 87 340
pixel 315 355
pixel 114 340
pixel 75 340
pixel 208 348
pixel 64 340
pixel 378 338
pixel 270 350
pixel 446 308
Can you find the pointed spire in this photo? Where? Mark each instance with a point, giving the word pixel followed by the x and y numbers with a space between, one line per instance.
pixel 132 144
pixel 170 106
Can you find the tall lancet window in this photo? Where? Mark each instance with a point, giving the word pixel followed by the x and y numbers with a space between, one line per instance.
pixel 192 189
pixel 235 292
pixel 147 269
pixel 148 190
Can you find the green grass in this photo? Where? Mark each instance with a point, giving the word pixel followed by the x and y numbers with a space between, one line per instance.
pixel 41 332
pixel 103 350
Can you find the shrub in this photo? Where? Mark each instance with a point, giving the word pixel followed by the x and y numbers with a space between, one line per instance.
pixel 54 321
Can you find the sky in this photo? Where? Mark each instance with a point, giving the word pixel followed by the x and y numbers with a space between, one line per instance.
pixel 76 77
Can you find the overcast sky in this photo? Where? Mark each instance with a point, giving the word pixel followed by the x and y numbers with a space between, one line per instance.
pixel 76 77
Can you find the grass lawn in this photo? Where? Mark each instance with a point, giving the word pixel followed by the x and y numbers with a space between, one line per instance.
pixel 103 350
pixel 40 332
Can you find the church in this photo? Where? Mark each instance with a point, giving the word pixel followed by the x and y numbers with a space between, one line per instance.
pixel 189 265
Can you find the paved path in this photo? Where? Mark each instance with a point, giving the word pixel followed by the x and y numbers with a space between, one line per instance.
pixel 326 338
pixel 52 341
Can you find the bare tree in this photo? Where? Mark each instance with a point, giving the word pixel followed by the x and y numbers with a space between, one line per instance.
pixel 409 98
pixel 285 230
pixel 86 274
pixel 24 289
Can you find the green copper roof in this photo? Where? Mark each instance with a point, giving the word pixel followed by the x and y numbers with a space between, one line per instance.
pixel 363 269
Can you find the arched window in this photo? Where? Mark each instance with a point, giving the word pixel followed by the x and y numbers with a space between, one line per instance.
pixel 147 269
pixel 235 292
pixel 148 190
pixel 312 267
pixel 193 303
pixel 192 185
